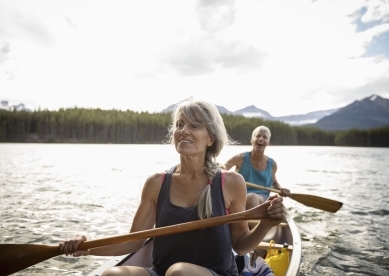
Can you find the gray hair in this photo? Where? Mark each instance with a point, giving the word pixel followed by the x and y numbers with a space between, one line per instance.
pixel 203 114
pixel 260 129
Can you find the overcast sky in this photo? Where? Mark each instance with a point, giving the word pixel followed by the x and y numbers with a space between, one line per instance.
pixel 286 57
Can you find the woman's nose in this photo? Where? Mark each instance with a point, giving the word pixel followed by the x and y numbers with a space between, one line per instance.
pixel 183 129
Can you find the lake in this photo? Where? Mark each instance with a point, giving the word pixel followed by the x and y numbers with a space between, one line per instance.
pixel 51 192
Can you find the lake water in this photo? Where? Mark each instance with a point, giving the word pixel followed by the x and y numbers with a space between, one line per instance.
pixel 50 192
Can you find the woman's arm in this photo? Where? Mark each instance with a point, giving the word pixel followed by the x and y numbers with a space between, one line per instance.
pixel 284 191
pixel 244 240
pixel 236 160
pixel 144 219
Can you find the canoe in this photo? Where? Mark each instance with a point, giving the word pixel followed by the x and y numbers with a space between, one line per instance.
pixel 281 234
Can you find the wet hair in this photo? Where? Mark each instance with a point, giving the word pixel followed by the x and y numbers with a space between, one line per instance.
pixel 203 114
pixel 259 129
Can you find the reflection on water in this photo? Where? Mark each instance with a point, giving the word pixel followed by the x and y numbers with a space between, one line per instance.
pixel 51 192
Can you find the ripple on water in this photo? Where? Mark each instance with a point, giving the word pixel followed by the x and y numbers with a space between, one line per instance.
pixel 382 212
pixel 68 191
pixel 359 213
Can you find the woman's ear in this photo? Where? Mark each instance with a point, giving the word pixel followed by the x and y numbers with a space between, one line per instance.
pixel 211 141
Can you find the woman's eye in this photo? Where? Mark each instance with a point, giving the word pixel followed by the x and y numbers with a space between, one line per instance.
pixel 180 126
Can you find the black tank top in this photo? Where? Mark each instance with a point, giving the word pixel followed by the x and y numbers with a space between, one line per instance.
pixel 208 247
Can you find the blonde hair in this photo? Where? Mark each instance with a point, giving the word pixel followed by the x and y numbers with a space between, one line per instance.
pixel 200 113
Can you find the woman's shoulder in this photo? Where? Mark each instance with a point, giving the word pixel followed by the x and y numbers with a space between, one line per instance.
pixel 239 157
pixel 154 182
pixel 234 188
pixel 159 176
pixel 232 180
pixel 269 159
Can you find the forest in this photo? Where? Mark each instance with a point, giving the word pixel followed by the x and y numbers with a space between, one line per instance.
pixel 80 125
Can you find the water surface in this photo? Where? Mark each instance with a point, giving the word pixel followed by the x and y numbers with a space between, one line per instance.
pixel 51 192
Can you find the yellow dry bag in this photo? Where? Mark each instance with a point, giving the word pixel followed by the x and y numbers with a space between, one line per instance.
pixel 278 261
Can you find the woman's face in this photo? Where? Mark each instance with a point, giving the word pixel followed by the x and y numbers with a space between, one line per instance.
pixel 260 139
pixel 190 139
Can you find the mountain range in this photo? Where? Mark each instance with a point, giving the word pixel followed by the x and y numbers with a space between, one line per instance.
pixel 370 112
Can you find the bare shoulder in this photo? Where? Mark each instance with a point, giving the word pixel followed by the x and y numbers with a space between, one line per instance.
pixel 274 165
pixel 152 186
pixel 236 160
pixel 154 178
pixel 234 191
pixel 234 181
pixel 238 157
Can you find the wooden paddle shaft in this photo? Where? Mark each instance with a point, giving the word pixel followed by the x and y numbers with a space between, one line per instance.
pixel 252 185
pixel 314 201
pixel 15 257
pixel 259 212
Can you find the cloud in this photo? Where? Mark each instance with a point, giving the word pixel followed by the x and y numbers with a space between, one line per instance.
pixel 376 10
pixel 215 15
pixel 23 26
pixel 70 23
pixel 188 57
pixel 9 67
pixel 376 41
pixel 240 56
pixel 292 55
pixel 376 81
pixel 5 48
pixel 207 54
pixel 378 86
pixel 371 24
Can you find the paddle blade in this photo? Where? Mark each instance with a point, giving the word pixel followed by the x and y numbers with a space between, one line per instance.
pixel 318 202
pixel 16 257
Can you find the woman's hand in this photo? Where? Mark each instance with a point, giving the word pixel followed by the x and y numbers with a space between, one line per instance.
pixel 276 210
pixel 69 247
pixel 284 192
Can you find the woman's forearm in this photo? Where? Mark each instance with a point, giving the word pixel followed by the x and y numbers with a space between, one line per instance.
pixel 251 239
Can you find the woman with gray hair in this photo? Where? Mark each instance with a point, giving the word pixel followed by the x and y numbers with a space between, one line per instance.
pixel 257 168
pixel 195 189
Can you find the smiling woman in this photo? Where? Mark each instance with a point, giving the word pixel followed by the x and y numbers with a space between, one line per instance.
pixel 256 167
pixel 196 189
pixel 199 128
pixel 185 131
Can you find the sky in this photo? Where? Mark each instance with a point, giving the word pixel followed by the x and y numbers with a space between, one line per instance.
pixel 285 57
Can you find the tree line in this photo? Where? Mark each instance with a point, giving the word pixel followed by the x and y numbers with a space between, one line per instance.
pixel 81 125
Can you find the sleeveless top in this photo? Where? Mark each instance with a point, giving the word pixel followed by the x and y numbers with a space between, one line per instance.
pixel 207 247
pixel 250 174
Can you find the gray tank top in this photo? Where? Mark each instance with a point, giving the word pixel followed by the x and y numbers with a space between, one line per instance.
pixel 208 247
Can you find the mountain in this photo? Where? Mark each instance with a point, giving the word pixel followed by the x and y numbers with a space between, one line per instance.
pixel 168 109
pixel 370 112
pixel 308 118
pixel 5 105
pixel 253 111
pixel 311 117
pixel 224 110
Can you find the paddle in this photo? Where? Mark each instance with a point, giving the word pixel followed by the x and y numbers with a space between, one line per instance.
pixel 317 202
pixel 15 257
